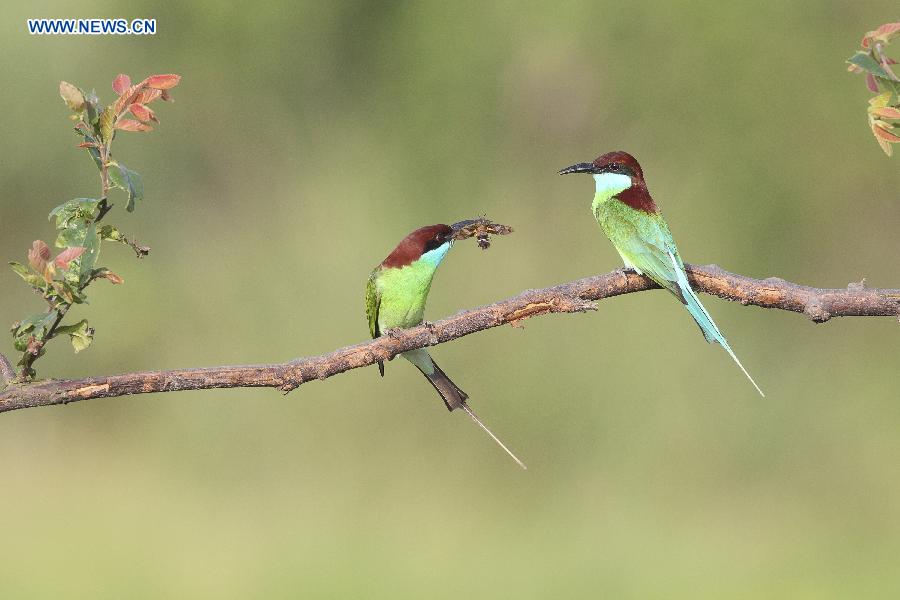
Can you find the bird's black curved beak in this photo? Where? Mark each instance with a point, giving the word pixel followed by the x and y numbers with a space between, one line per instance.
pixel 579 168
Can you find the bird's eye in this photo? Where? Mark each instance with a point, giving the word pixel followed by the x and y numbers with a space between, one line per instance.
pixel 613 167
pixel 435 242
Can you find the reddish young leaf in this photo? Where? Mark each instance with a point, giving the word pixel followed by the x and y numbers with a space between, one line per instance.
pixel 130 95
pixel 38 255
pixel 41 249
pixel 143 114
pixel 162 82
pixel 884 134
pixel 36 263
pixel 148 96
pixel 887 31
pixel 882 34
pixel 871 83
pixel 132 125
pixel 121 83
pixel 113 278
pixel 88 145
pixel 887 112
pixel 68 255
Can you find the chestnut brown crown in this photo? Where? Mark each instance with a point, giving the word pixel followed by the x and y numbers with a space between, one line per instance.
pixel 611 162
pixel 618 162
pixel 417 243
pixel 636 195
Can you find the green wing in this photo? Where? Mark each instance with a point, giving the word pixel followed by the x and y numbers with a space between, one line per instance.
pixel 647 244
pixel 651 249
pixel 373 305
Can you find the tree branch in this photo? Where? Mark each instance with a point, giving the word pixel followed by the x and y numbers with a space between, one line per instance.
pixel 818 304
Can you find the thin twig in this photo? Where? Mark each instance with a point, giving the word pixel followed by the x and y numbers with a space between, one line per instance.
pixel 817 304
pixel 7 373
pixel 31 355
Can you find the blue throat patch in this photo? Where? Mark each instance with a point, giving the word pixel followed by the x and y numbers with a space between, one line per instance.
pixel 434 257
pixel 610 184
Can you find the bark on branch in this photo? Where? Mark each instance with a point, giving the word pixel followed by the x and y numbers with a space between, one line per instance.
pixel 578 296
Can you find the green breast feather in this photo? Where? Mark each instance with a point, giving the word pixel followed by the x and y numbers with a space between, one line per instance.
pixel 395 297
pixel 402 293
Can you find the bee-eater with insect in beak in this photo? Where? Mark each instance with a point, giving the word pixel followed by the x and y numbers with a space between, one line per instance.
pixel 395 299
pixel 631 220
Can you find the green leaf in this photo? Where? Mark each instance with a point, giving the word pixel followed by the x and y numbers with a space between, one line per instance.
pixel 91 245
pixel 71 236
pixel 76 228
pixel 80 342
pixel 880 101
pixel 84 209
pixel 30 278
pixel 124 178
pixel 72 278
pixel 889 85
pixel 21 269
pixel 92 105
pixel 80 333
pixel 36 325
pixel 107 122
pixel 864 61
pixel 109 232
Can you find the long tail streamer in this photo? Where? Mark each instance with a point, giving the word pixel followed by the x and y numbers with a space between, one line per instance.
pixel 475 418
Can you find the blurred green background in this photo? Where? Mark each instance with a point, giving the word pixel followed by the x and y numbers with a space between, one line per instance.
pixel 306 139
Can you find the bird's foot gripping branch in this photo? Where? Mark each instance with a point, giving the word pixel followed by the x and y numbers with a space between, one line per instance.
pixel 62 281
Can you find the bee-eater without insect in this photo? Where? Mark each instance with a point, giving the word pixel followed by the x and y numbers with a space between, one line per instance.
pixel 631 220
pixel 395 299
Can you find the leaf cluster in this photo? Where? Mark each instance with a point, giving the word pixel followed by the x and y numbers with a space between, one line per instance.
pixel 62 281
pixel 884 107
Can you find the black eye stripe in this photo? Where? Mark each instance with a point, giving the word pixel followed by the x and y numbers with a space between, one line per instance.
pixel 432 244
pixel 618 168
